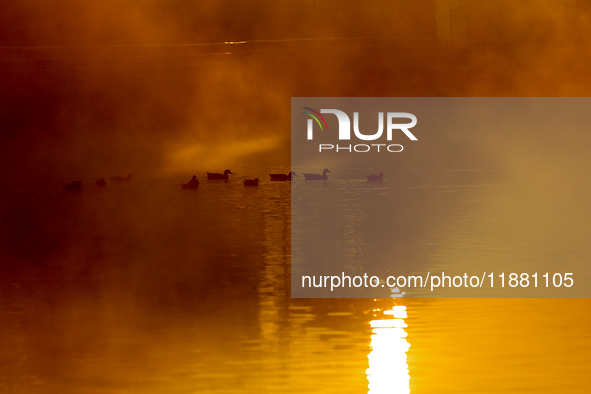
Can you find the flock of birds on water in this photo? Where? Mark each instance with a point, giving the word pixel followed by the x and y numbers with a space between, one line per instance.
pixel 214 176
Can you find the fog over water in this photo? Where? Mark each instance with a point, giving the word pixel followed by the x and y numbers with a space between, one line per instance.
pixel 151 86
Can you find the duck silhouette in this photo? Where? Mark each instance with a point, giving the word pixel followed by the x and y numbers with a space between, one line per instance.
pixel 192 184
pixel 214 176
pixel 101 182
pixel 251 182
pixel 317 177
pixel 117 178
pixel 74 186
pixel 375 178
pixel 282 177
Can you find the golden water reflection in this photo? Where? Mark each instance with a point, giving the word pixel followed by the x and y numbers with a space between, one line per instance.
pixel 388 367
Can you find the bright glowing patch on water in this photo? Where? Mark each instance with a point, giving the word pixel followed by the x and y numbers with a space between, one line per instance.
pixel 388 323
pixel 398 313
pixel 388 367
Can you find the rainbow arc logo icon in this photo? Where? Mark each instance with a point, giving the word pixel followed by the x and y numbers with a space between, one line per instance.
pixel 316 115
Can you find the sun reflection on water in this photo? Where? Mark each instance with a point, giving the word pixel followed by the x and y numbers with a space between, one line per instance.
pixel 388 367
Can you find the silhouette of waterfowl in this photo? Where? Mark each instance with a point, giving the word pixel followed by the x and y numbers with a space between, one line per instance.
pixel 317 177
pixel 282 177
pixel 375 178
pixel 214 176
pixel 74 186
pixel 192 184
pixel 127 178
pixel 101 182
pixel 251 182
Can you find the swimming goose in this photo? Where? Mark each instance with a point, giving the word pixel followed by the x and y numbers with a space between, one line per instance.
pixel 282 177
pixel 192 184
pixel 74 186
pixel 127 178
pixel 251 182
pixel 101 182
pixel 317 177
pixel 375 178
pixel 214 176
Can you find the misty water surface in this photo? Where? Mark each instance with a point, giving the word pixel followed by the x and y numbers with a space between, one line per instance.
pixel 148 288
